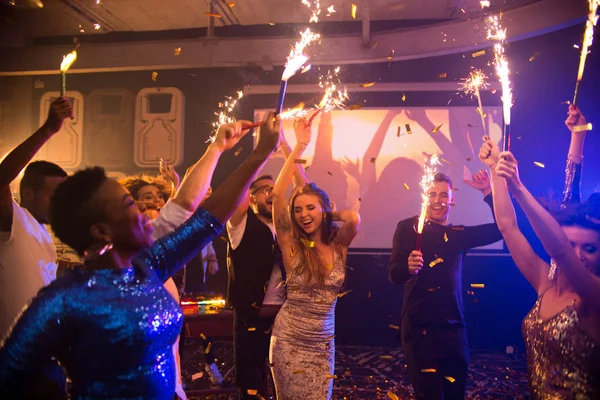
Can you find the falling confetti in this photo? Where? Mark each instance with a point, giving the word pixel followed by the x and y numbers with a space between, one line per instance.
pixel 534 56
pixel 299 371
pixel 429 370
pixel 251 329
pixel 403 98
pixel 368 84
pixel 436 262
pixel 238 151
pixel 353 12
pixel 357 106
pixel 386 357
pixel 390 56
pixel 329 173
pixel 177 51
pixel 406 186
pixel 408 129
pixel 212 15
pixel 154 75
pixel 539 164
pixel 437 128
pixel 478 285
pixel 252 392
pixel 391 395
pixel 231 5
pixel 478 54
pixel 443 75
pixel 373 159
pixel 396 327
pixel 445 237
pixel 450 379
pixel 331 376
pixel 375 45
pixel 343 293
pixel 399 131
pixel 207 350
pixel 299 161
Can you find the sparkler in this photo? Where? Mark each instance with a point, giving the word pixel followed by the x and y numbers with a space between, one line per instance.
pixel 66 63
pixel 497 34
pixel 295 61
pixel 334 97
pixel 426 184
pixel 225 115
pixel 295 112
pixel 477 80
pixel 588 37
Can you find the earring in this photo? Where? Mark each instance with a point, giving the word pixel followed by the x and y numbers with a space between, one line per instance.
pixel 553 268
pixel 96 251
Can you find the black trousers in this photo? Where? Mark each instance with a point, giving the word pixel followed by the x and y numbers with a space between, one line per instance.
pixel 437 359
pixel 251 340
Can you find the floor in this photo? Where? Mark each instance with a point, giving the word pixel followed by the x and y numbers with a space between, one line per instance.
pixel 376 373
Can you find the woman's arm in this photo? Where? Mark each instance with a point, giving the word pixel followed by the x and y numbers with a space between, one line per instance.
pixel 553 238
pixel 300 177
pixel 350 227
pixel 533 268
pixel 578 126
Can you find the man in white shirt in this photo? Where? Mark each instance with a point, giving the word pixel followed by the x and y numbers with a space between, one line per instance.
pixel 27 253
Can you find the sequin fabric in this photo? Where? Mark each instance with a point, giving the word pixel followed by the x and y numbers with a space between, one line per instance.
pixel 572 190
pixel 563 361
pixel 111 330
pixel 302 349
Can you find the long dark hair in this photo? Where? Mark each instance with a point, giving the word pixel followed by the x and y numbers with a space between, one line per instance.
pixel 311 263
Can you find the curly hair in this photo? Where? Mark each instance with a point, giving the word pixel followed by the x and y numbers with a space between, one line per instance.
pixel 134 183
pixel 72 209
pixel 311 263
pixel 584 215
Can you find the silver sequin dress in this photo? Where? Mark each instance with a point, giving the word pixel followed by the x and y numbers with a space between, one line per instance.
pixel 302 343
pixel 563 361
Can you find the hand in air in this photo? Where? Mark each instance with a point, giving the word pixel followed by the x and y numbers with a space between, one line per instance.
pixel 230 134
pixel 575 118
pixel 508 169
pixel 302 129
pixel 481 182
pixel 60 109
pixel 489 152
pixel 269 134
pixel 168 172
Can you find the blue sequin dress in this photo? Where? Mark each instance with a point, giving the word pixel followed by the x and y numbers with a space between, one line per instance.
pixel 111 330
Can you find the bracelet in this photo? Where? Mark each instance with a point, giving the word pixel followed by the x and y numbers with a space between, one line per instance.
pixel 306 144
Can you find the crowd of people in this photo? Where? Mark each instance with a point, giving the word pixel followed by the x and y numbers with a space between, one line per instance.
pixel 107 326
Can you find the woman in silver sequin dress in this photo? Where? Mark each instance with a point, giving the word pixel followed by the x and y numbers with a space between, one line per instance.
pixel 314 253
pixel 562 331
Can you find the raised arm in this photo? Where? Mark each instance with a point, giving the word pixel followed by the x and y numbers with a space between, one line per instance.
pixel 16 160
pixel 281 218
pixel 197 179
pixel 350 227
pixel 578 126
pixel 553 238
pixel 300 177
pixel 533 268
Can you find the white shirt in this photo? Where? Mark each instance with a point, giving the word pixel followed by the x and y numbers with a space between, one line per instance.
pixel 27 263
pixel 275 293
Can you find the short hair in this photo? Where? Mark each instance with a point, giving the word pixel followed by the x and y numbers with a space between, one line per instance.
pixel 36 172
pixel 134 183
pixel 440 177
pixel 260 178
pixel 72 211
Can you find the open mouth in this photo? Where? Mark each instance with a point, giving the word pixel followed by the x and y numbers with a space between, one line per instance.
pixel 269 202
pixel 306 223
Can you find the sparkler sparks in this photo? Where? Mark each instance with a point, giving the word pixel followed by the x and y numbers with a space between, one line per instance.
pixel 225 115
pixel 426 184
pixel 471 86
pixel 588 37
pixel 334 96
pixel 297 58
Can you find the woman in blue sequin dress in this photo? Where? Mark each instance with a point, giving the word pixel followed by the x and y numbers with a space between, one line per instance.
pixel 314 255
pixel 562 331
pixel 111 324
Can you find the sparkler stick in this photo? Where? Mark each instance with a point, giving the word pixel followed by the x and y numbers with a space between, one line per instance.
pixel 471 85
pixel 66 63
pixel 588 37
pixel 291 113
pixel 224 116
pixel 426 184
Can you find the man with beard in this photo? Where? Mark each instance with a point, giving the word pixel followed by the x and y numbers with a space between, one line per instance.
pixel 255 288
pixel 433 332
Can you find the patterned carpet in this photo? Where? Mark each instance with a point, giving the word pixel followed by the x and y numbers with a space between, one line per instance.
pixel 375 373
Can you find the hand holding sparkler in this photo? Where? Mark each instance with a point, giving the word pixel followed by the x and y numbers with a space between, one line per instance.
pixel 230 134
pixel 508 169
pixel 489 152
pixel 426 183
pixel 415 262
pixel 60 109
pixel 269 135
pixel 576 120
pixel 66 63
pixel 302 129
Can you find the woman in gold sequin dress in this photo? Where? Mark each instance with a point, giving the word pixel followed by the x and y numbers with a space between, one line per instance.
pixel 314 254
pixel 562 330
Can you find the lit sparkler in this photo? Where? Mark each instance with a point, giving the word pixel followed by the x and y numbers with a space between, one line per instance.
pixel 315 9
pixel 295 61
pixel 588 37
pixel 66 63
pixel 497 34
pixel 334 96
pixel 295 112
pixel 426 184
pixel 225 115
pixel 477 80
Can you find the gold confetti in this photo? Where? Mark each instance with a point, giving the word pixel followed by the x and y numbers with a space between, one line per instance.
pixel 375 45
pixel 442 75
pixel 429 370
pixel 395 327
pixel 582 128
pixel 355 106
pixel 299 371
pixel 252 392
pixel 478 285
pixel 154 75
pixel 539 164
pixel 299 161
pixel 212 15
pixel 238 151
pixel 368 84
pixel 451 379
pixel 331 376
pixel 359 199
pixel 403 98
pixel 207 350
pixel 480 112
pixel 493 91
pixel 437 128
pixel 373 159
pixel 272 23
pixel 434 289
pixel 231 5
pixel 399 131
pixel 391 395
pixel 406 186
pixel 390 55
pixel 177 51
pixel 223 238
pixel 385 357
pixel 478 53
pixel 329 173
pixel 203 336
pixel 436 262
pixel 534 56
pixel 463 10
pixel 343 293
pixel 308 243
pixel 251 329
pixel 445 237
pixel 353 12
pixel 408 129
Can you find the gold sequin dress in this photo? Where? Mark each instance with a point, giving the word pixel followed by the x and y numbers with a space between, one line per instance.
pixel 563 361
pixel 302 349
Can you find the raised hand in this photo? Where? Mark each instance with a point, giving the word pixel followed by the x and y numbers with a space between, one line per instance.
pixel 302 129
pixel 60 109
pixel 230 134
pixel 415 262
pixel 269 134
pixel 489 152
pixel 169 173
pixel 508 169
pixel 575 118
pixel 481 182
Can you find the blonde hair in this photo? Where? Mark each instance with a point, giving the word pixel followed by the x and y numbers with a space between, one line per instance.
pixel 311 264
